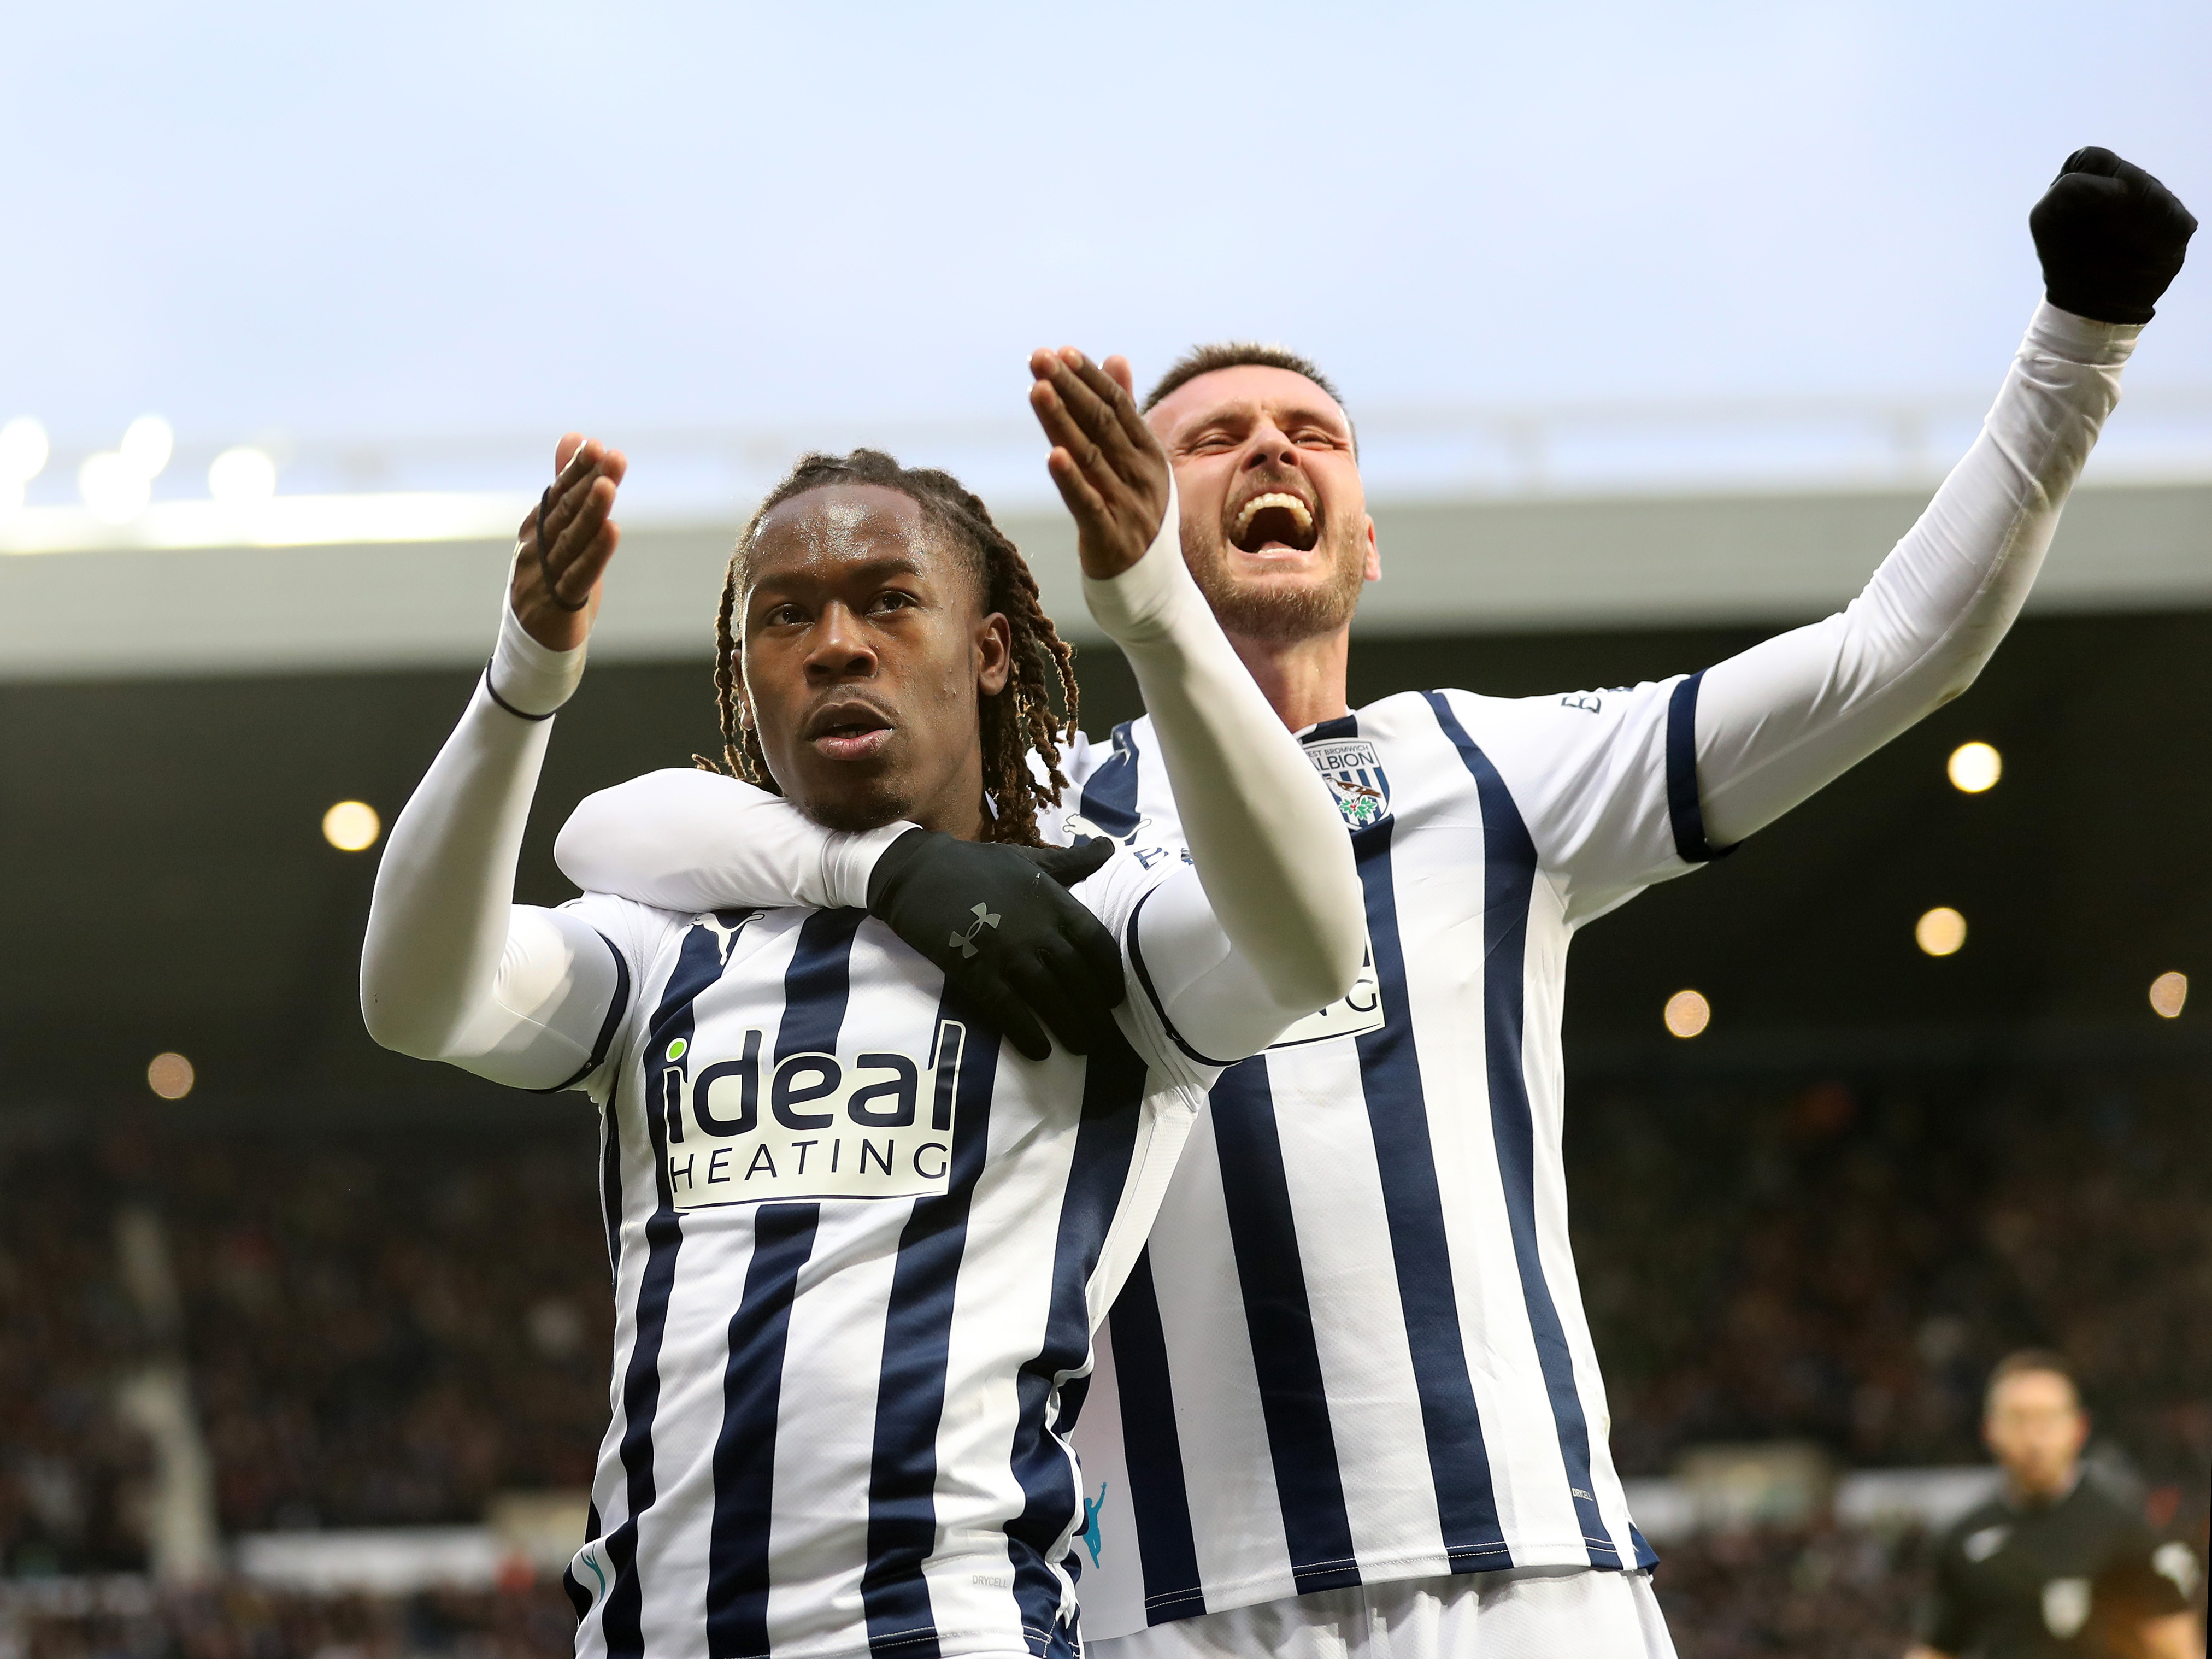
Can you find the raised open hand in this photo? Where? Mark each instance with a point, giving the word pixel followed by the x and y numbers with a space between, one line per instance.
pixel 562 548
pixel 1110 469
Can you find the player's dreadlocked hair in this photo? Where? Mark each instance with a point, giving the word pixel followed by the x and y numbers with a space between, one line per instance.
pixel 1015 722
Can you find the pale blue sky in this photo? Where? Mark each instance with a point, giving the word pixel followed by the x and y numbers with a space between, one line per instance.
pixel 454 218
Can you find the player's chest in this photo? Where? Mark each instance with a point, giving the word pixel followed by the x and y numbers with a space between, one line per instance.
pixel 808 1056
pixel 2040 1576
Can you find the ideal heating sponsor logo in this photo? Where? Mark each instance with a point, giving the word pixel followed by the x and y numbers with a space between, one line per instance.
pixel 746 1129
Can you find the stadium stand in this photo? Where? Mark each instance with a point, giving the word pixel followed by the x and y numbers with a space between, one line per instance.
pixel 1818 1223
pixel 391 1326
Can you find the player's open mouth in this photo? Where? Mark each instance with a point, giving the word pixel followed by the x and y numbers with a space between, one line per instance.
pixel 848 730
pixel 1277 520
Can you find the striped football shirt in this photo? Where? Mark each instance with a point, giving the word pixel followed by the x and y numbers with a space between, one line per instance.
pixel 1354 1350
pixel 859 1248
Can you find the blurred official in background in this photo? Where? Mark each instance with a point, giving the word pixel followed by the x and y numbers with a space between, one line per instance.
pixel 2054 1564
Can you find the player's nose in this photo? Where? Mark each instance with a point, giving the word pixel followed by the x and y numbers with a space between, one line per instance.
pixel 1269 446
pixel 839 649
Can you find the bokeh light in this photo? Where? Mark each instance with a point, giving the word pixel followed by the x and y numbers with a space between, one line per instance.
pixel 352 826
pixel 1941 932
pixel 170 1076
pixel 1687 1013
pixel 114 490
pixel 23 449
pixel 1974 767
pixel 147 445
pixel 243 474
pixel 2168 994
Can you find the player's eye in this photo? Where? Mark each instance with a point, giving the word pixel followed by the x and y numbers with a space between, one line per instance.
pixel 892 600
pixel 783 616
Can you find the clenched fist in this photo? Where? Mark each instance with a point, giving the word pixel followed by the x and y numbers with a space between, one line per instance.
pixel 2111 238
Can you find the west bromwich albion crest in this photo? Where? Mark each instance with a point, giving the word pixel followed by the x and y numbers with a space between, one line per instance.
pixel 1353 772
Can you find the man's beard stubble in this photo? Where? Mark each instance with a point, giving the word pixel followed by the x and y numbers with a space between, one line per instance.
pixel 1277 613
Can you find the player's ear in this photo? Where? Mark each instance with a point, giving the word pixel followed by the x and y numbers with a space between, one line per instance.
pixel 994 653
pixel 1374 570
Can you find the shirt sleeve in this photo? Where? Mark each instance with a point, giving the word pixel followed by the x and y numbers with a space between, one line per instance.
pixel 2147 1577
pixel 1281 899
pixel 452 968
pixel 1786 717
pixel 1121 892
pixel 682 839
pixel 686 839
pixel 1629 786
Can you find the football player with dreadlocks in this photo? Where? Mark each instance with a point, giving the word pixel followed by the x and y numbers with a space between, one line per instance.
pixel 858 1247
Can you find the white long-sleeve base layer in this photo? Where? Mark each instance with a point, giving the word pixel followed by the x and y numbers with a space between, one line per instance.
pixel 1363 1359
pixel 1771 725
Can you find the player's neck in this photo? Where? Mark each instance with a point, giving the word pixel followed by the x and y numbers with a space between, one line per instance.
pixel 1302 680
pixel 2022 1497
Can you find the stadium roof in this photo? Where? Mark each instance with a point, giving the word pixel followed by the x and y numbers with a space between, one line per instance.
pixel 306 584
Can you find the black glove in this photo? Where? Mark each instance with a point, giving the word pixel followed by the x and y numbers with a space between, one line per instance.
pixel 2111 238
pixel 1001 922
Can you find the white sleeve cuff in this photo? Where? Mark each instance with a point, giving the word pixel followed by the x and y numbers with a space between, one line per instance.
pixel 529 678
pixel 2082 340
pixel 1141 604
pixel 849 859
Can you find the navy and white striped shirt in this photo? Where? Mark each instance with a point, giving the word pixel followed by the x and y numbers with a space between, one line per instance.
pixel 1355 1350
pixel 858 1250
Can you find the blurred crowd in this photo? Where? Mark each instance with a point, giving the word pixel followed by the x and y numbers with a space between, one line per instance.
pixel 390 1328
pixel 380 1330
pixel 1842 1261
pixel 237 1621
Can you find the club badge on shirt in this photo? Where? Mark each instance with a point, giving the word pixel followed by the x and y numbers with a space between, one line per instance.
pixel 2065 1606
pixel 1354 771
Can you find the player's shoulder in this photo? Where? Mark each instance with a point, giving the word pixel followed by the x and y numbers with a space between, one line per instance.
pixel 1114 890
pixel 2094 1507
pixel 641 933
pixel 1975 1528
pixel 1568 710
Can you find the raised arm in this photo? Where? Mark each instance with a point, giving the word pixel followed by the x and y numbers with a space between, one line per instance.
pixel 1787 716
pixel 1273 926
pixel 452 968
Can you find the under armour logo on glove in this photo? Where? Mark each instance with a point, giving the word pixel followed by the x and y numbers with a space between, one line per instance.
pixel 1048 951
pixel 966 940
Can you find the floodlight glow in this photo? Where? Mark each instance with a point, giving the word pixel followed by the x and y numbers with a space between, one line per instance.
pixel 2168 992
pixel 1941 932
pixel 11 495
pixel 115 491
pixel 23 449
pixel 1687 1013
pixel 242 474
pixel 1974 767
pixel 148 443
pixel 170 1076
pixel 352 826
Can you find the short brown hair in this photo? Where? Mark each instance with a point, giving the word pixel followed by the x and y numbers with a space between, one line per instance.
pixel 1237 353
pixel 2021 1361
